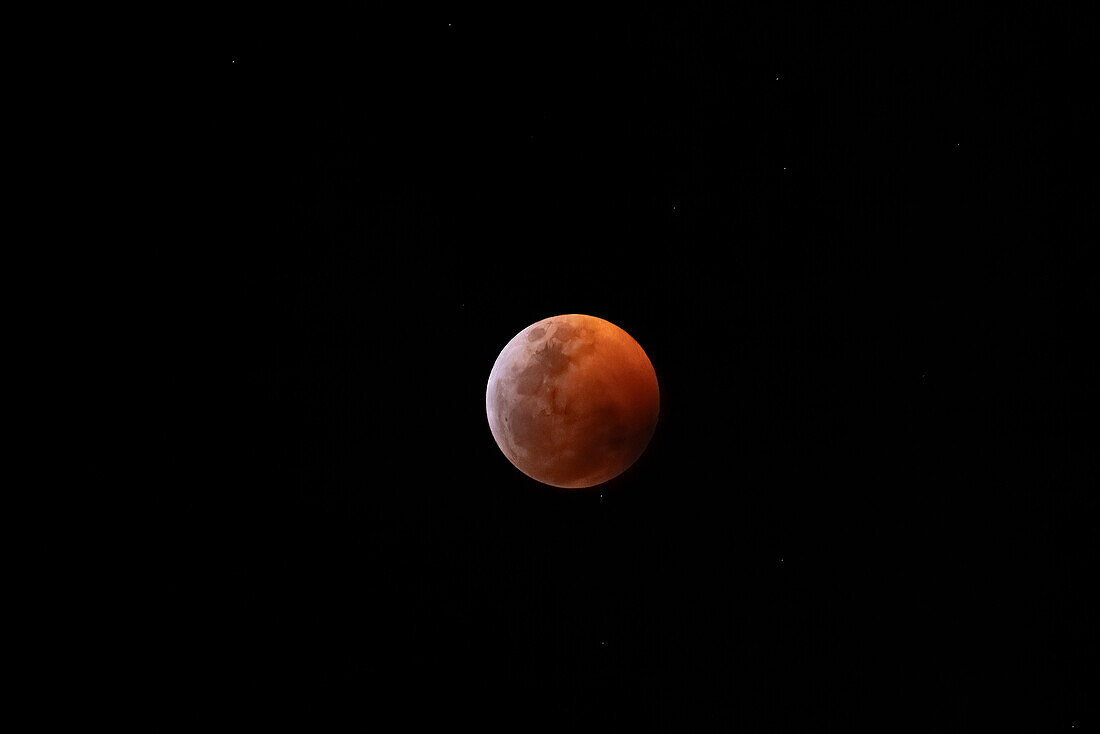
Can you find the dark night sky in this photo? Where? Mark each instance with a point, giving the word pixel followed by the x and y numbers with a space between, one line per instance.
pixel 854 250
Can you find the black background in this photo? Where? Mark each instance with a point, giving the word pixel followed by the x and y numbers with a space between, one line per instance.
pixel 852 245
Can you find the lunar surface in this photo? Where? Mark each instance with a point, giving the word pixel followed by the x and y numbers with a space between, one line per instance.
pixel 572 401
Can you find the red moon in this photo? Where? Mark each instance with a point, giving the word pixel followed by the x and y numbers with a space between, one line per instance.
pixel 572 401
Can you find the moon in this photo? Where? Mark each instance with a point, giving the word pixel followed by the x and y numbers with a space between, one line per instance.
pixel 572 401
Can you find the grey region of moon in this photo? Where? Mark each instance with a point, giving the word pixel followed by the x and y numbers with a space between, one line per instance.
pixel 572 401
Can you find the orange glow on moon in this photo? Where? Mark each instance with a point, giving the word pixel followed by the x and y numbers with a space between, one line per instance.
pixel 572 401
